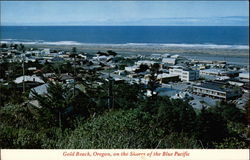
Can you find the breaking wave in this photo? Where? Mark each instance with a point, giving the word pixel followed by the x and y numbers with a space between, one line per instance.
pixel 162 45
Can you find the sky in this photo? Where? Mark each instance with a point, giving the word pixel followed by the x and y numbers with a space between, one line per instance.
pixel 142 13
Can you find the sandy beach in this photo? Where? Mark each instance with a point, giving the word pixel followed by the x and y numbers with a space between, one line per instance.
pixel 149 49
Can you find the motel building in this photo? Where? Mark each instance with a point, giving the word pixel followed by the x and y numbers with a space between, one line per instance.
pixel 184 73
pixel 216 90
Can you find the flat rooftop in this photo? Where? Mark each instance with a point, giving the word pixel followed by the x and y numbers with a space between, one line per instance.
pixel 213 86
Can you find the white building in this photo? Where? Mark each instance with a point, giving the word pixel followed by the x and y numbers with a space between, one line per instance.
pixel 169 60
pixel 181 95
pixel 212 72
pixel 244 75
pixel 185 74
pixel 165 78
pixel 166 55
pixel 175 56
pixel 32 78
pixel 102 58
pixel 45 51
pixel 155 56
pixel 40 90
pixel 131 68
pixel 149 63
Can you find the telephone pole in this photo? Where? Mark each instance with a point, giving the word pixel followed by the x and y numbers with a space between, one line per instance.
pixel 74 53
pixel 23 75
pixel 74 75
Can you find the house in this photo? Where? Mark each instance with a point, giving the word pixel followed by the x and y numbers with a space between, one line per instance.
pixel 175 56
pixel 94 67
pixel 174 59
pixel 66 78
pixel 31 68
pixel 120 72
pixel 169 60
pixel 45 51
pixel 30 81
pixel 146 62
pixel 102 58
pixel 57 59
pixel 131 68
pixel 165 78
pixel 41 90
pixel 181 95
pixel 235 82
pixel 155 56
pixel 244 76
pixel 231 73
pixel 166 55
pixel 49 75
pixel 246 87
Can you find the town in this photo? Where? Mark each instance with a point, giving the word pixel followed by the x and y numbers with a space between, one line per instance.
pixel 55 98
pixel 201 82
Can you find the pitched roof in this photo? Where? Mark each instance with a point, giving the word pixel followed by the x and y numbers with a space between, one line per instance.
pixel 42 89
pixel 32 78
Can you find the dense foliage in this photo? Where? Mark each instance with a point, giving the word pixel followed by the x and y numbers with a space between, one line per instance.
pixel 134 121
pixel 111 114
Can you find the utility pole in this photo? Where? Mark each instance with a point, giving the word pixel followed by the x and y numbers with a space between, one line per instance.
pixel 74 74
pixel 23 75
pixel 8 76
pixel 60 121
pixel 110 92
pixel 22 48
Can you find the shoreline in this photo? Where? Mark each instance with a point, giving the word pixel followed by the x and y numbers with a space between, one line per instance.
pixel 128 50
pixel 146 49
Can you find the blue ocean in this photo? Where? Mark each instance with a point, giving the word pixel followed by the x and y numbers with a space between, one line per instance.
pixel 205 35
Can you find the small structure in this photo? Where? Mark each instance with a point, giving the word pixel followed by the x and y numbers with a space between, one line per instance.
pixel 31 79
pixel 45 51
pixel 175 56
pixel 31 68
pixel 131 68
pixel 165 78
pixel 102 58
pixel 40 90
pixel 169 60
pixel 244 76
pixel 146 62
pixel 155 56
pixel 66 78
pixel 235 82
pixel 182 95
pixel 166 55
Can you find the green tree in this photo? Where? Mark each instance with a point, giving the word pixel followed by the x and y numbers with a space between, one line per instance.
pixel 111 53
pixel 210 127
pixel 54 105
pixel 3 45
pixel 124 129
pixel 230 112
pixel 142 68
pixel 176 116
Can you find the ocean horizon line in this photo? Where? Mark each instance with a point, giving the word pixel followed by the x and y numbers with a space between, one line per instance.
pixel 124 26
